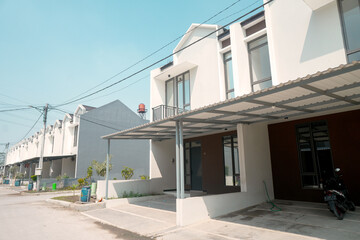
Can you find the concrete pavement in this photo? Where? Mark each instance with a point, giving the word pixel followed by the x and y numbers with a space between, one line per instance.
pixel 31 218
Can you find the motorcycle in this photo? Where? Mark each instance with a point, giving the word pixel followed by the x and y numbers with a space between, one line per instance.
pixel 336 195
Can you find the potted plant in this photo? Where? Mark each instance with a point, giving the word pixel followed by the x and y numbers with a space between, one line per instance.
pixel 32 183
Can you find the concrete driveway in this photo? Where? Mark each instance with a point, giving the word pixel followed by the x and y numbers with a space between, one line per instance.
pixel 296 220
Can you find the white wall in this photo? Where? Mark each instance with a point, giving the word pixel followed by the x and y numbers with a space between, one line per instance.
pixel 303 41
pixel 68 167
pixel 162 165
pixel 255 167
pixel 117 188
pixel 203 79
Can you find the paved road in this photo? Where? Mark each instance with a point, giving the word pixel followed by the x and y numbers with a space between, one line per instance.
pixel 30 218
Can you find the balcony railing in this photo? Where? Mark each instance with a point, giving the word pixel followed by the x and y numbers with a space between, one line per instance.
pixel 163 111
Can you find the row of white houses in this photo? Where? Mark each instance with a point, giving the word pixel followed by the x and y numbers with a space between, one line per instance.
pixel 71 144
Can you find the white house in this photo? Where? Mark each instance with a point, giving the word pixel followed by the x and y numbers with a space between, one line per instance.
pixel 73 143
pixel 272 100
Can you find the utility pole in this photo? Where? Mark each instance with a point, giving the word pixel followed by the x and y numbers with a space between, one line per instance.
pixel 5 157
pixel 39 169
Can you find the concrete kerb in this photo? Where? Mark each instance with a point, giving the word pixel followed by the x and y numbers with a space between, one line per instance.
pixel 81 207
pixel 77 192
pixel 110 203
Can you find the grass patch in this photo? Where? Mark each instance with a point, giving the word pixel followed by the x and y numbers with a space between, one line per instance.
pixel 71 199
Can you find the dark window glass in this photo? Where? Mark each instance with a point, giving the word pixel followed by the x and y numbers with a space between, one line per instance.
pixel 260 64
pixel 229 79
pixel 350 13
pixel 314 153
pixel 257 27
pixel 231 161
pixel 75 135
pixel 225 43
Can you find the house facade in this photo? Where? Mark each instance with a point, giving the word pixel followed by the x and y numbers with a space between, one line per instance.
pixel 270 105
pixel 71 144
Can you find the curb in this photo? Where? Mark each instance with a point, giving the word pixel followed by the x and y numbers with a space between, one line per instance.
pixel 76 206
pixel 49 193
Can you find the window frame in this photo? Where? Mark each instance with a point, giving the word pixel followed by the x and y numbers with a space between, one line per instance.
pixel 344 33
pixel 76 130
pixel 251 63
pixel 227 90
pixel 232 136
pixel 313 153
pixel 175 82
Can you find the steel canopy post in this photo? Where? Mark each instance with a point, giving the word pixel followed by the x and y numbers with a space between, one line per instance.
pixel 177 161
pixel 107 170
pixel 181 154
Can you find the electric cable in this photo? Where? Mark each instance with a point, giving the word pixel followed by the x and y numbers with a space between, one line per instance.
pixel 164 58
pixel 32 126
pixel 156 51
pixel 119 89
pixel 87 120
pixel 14 109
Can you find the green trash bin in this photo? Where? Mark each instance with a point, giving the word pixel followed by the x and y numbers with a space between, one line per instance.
pixel 54 186
pixel 93 189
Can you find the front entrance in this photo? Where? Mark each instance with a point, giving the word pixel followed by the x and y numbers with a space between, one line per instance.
pixel 193 166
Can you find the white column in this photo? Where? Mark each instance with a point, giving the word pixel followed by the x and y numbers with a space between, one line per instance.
pixel 107 170
pixel 181 150
pixel 177 162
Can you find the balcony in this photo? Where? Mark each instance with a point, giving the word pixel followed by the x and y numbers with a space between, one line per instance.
pixel 163 111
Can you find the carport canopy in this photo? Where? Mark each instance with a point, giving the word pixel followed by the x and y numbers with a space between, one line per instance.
pixel 335 88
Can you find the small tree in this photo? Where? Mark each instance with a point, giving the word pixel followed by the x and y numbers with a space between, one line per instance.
pixel 89 173
pixel 100 168
pixel 127 173
pixel 81 182
pixel 34 178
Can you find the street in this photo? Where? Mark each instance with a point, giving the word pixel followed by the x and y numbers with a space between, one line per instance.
pixel 30 217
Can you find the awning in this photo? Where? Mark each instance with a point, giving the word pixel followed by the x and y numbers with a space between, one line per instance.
pixel 332 89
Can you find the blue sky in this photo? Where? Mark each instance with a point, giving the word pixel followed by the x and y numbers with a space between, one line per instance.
pixel 52 51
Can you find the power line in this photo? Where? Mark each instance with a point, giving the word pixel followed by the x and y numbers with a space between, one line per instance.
pixel 164 58
pixel 87 120
pixel 158 50
pixel 32 126
pixel 222 19
pixel 14 109
pixel 120 88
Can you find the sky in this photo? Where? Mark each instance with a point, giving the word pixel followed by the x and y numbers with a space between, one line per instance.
pixel 52 51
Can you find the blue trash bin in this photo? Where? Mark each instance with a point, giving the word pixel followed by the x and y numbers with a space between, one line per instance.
pixel 85 194
pixel 30 186
pixel 17 183
pixel 7 181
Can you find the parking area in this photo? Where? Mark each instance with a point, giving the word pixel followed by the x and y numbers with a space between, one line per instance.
pixel 296 220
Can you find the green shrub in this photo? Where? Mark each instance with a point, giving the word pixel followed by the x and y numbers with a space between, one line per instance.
pixel 144 177
pixel 81 182
pixel 34 178
pixel 127 173
pixel 65 176
pixel 100 168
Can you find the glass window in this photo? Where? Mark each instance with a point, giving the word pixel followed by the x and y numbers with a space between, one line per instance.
pixel 314 153
pixel 350 14
pixel 260 64
pixel 231 161
pixel 178 93
pixel 229 80
pixel 75 135
pixel 170 93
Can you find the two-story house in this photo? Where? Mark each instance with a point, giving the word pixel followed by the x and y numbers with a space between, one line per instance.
pixel 272 101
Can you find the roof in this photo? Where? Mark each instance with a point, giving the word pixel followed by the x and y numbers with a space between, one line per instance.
pixel 335 88
pixel 187 34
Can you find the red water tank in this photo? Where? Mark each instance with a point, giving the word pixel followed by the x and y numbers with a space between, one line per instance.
pixel 141 108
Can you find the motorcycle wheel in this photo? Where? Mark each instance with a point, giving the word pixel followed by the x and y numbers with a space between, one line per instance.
pixel 351 205
pixel 338 213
